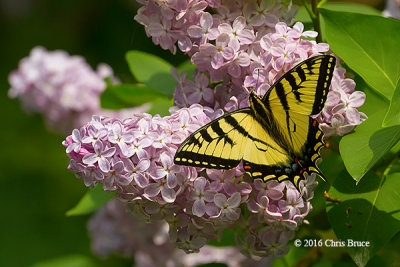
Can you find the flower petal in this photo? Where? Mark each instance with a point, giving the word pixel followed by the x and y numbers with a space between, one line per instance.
pixel 199 208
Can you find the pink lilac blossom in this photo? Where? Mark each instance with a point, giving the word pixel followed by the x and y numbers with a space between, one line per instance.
pixel 186 23
pixel 259 65
pixel 197 204
pixel 64 88
pixel 245 44
pixel 114 230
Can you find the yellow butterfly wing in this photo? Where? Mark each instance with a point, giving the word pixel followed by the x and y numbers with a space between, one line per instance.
pixel 299 93
pixel 222 143
pixel 275 138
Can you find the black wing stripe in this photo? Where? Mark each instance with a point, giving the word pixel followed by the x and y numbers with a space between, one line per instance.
pixel 309 64
pixel 217 129
pixel 205 135
pixel 301 73
pixel 292 81
pixel 280 91
pixel 227 163
pixel 322 90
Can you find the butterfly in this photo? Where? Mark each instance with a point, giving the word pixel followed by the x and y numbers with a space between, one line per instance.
pixel 275 137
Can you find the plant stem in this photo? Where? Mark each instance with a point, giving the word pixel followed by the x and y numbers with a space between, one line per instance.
pixel 316 20
pixel 309 11
pixel 392 161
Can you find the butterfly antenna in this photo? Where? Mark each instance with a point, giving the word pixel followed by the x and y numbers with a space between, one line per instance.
pixel 172 132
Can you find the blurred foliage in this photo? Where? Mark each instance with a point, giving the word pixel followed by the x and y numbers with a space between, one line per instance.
pixel 93 200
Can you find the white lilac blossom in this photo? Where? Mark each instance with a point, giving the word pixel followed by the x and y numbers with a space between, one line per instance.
pixel 64 88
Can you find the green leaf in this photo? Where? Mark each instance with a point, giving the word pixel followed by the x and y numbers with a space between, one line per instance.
pixel 67 261
pixel 369 211
pixel 303 16
pixel 369 143
pixel 330 166
pixel 373 99
pixel 152 71
pixel 368 45
pixel 160 106
pixel 392 117
pixel 128 95
pixel 188 67
pixel 227 239
pixel 91 201
pixel 294 255
pixel 351 7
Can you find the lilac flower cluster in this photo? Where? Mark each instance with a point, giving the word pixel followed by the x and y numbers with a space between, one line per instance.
pixel 134 158
pixel 184 22
pixel 64 88
pixel 245 44
pixel 113 230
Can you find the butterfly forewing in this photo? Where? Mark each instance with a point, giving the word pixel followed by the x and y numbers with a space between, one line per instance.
pixel 299 93
pixel 219 144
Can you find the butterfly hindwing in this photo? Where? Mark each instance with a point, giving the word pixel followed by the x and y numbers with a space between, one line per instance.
pixel 295 166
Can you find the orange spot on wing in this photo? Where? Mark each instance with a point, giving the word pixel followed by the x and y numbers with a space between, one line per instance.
pixel 247 167
pixel 314 123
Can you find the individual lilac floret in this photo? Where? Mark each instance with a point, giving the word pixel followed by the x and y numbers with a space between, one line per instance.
pixel 100 156
pixel 64 88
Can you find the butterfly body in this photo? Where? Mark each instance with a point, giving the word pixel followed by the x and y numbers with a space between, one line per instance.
pixel 275 137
